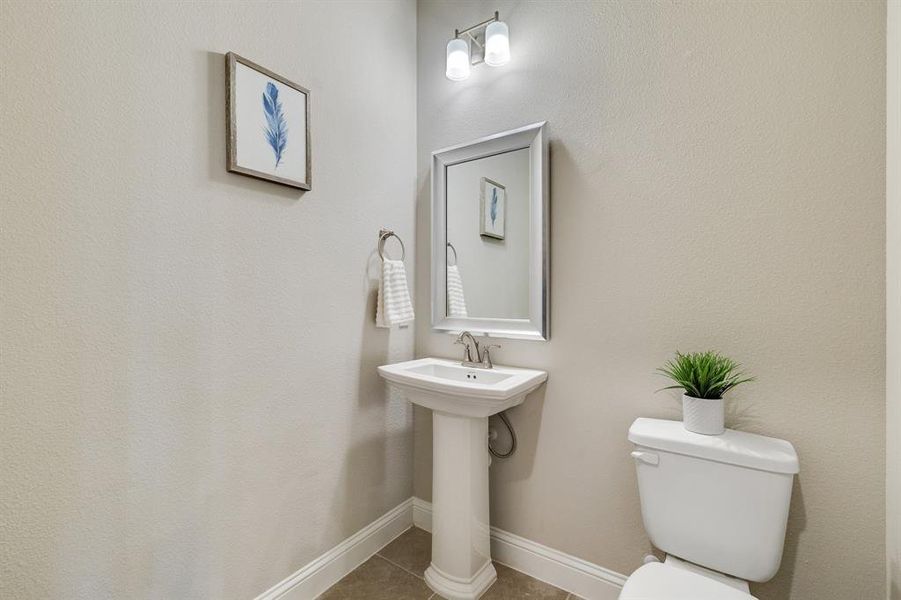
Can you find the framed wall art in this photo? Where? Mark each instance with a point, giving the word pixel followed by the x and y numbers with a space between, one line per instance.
pixel 268 124
pixel 494 209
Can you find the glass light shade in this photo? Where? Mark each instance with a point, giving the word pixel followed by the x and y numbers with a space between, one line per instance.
pixel 457 60
pixel 497 44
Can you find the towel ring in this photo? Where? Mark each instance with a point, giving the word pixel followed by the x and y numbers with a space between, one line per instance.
pixel 451 247
pixel 384 234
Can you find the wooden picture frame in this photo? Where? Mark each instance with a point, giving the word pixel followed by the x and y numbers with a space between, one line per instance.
pixel 263 111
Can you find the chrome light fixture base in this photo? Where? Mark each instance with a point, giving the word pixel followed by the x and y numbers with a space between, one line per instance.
pixel 475 37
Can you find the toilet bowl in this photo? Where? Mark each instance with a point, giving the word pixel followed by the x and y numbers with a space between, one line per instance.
pixel 716 504
pixel 676 579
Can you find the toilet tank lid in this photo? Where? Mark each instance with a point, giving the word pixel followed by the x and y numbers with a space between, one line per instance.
pixel 732 447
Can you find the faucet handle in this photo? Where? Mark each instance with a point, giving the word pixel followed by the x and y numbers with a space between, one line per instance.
pixel 486 354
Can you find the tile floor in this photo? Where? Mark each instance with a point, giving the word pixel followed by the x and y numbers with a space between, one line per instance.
pixel 395 573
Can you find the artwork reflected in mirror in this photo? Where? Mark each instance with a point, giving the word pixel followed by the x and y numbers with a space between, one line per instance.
pixel 494 203
pixel 488 243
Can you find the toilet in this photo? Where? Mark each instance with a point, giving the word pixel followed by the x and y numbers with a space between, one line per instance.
pixel 717 505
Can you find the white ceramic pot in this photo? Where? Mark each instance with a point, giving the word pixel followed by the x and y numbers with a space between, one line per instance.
pixel 701 415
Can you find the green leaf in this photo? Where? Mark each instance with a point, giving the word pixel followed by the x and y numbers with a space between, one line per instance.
pixel 703 374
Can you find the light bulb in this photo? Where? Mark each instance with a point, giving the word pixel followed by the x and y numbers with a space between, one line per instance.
pixel 497 44
pixel 457 60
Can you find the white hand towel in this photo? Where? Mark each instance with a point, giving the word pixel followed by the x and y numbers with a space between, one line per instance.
pixel 393 306
pixel 456 299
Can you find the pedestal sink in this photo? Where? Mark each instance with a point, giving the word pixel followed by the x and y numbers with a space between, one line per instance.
pixel 461 399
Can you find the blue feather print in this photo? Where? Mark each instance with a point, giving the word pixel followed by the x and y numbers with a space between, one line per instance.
pixel 493 210
pixel 277 130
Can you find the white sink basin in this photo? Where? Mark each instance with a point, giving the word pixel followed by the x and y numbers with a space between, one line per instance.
pixel 447 386
pixel 461 399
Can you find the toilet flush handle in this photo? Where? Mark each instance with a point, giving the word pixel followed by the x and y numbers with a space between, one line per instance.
pixel 646 457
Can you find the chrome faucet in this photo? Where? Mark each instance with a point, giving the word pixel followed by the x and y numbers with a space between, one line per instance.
pixel 482 358
pixel 467 349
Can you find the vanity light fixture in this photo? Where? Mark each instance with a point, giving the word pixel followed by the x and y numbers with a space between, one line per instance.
pixel 487 42
pixel 497 44
pixel 457 60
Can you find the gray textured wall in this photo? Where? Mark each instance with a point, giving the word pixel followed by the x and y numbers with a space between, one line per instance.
pixel 717 181
pixel 190 404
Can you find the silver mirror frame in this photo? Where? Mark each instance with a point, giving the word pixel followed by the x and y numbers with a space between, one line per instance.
pixel 537 326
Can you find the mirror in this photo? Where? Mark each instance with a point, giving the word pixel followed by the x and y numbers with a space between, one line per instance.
pixel 489 236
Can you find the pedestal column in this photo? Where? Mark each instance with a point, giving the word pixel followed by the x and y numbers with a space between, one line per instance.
pixel 461 566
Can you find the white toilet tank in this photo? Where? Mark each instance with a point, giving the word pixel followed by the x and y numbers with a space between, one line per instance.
pixel 719 501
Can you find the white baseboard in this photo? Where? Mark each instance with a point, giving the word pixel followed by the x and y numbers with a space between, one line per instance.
pixel 535 560
pixel 422 514
pixel 325 571
pixel 567 572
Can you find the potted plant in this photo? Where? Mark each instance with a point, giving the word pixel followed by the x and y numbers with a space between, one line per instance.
pixel 704 377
